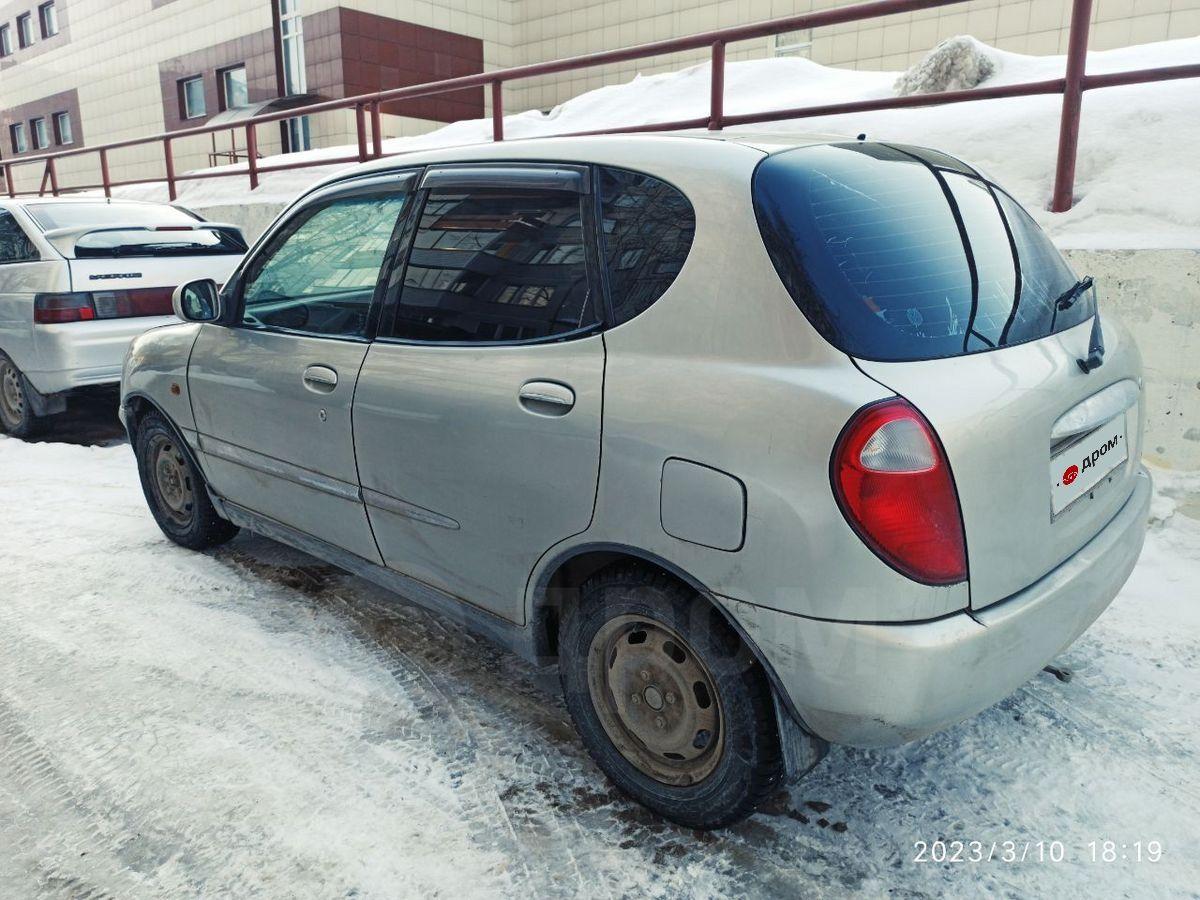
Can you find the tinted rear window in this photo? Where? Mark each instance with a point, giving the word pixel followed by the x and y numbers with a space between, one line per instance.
pixel 896 255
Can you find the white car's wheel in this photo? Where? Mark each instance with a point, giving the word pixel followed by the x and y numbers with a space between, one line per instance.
pixel 16 413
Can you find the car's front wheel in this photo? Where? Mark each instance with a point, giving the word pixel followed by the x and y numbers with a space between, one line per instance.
pixel 175 488
pixel 667 699
pixel 16 414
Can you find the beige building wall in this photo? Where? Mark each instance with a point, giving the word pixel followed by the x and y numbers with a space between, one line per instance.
pixel 112 61
pixel 115 48
pixel 552 29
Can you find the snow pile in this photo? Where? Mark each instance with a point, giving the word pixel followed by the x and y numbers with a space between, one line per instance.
pixel 1137 149
pixel 956 64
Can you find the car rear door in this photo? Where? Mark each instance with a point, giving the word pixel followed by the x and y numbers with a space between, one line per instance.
pixel 477 415
pixel 272 392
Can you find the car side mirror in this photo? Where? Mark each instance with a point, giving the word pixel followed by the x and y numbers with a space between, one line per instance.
pixel 197 301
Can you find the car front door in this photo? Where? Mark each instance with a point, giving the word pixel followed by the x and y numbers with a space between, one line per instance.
pixel 272 392
pixel 477 413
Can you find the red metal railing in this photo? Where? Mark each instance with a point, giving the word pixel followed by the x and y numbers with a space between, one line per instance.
pixel 367 106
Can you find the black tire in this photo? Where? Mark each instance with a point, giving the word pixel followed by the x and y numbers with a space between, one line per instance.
pixel 175 489
pixel 744 765
pixel 16 413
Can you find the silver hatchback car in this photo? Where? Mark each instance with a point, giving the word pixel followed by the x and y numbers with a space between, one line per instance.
pixel 766 442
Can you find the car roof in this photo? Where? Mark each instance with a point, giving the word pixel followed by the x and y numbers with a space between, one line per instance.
pixel 660 151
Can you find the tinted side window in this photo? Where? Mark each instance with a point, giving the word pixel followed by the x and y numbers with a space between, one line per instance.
pixel 15 246
pixel 648 228
pixel 319 273
pixel 496 265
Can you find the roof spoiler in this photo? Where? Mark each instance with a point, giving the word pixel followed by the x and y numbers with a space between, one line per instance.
pixel 64 239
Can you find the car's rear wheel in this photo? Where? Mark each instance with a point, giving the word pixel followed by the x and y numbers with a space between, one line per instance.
pixel 175 488
pixel 668 701
pixel 16 414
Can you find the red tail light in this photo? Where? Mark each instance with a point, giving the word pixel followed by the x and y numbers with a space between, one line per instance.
pixel 54 309
pixel 894 486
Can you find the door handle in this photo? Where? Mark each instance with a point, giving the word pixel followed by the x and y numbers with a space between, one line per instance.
pixel 547 398
pixel 320 379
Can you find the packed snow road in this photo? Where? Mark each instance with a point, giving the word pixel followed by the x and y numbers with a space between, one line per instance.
pixel 252 723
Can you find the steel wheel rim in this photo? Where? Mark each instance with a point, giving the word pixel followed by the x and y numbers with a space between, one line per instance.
pixel 12 397
pixel 656 700
pixel 172 481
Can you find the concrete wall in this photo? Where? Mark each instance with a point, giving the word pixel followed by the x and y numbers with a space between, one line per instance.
pixel 1155 293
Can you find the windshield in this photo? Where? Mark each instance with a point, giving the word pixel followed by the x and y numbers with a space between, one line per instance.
pixel 896 253
pixel 72 215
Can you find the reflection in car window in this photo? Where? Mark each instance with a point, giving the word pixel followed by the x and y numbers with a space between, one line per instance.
pixel 991 253
pixel 319 275
pixel 867 241
pixel 648 228
pixel 15 245
pixel 496 265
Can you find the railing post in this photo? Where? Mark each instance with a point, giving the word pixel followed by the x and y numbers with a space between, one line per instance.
pixel 8 180
pixel 252 154
pixel 376 131
pixel 360 122
pixel 169 159
pixel 497 110
pixel 716 104
pixel 1068 131
pixel 104 179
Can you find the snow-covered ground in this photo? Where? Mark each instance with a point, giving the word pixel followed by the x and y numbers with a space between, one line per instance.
pixel 1137 146
pixel 252 723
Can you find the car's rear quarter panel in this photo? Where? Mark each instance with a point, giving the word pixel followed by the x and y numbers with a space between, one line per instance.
pixel 725 371
pixel 19 282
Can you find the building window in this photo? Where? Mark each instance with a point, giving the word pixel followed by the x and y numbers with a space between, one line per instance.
pixel 792 43
pixel 5 40
pixel 291 30
pixel 191 97
pixel 41 137
pixel 25 30
pixel 17 133
pixel 48 18
pixel 62 128
pixel 233 87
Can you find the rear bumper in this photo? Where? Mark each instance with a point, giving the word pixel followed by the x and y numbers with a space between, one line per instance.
pixel 878 685
pixel 81 354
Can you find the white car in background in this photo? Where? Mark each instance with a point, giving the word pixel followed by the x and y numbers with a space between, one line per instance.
pixel 82 277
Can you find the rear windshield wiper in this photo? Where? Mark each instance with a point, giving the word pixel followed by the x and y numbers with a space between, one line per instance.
pixel 1066 300
pixel 1068 297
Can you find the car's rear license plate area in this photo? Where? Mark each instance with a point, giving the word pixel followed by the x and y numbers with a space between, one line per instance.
pixel 1075 470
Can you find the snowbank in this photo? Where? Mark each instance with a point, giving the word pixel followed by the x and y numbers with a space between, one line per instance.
pixel 1137 158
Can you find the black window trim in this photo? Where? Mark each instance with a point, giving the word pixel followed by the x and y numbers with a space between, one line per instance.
pixel 533 176
pixel 391 182
pixel 523 174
